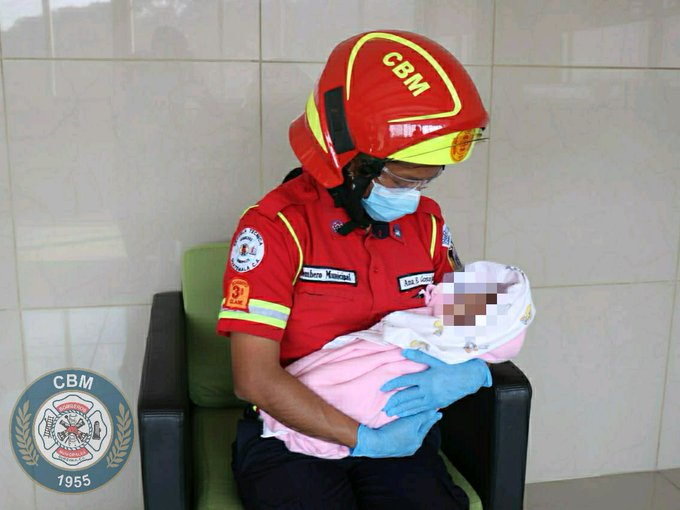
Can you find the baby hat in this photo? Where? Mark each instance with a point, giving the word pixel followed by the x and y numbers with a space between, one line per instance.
pixel 502 323
pixel 514 308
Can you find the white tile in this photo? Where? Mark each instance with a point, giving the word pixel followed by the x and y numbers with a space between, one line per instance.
pixel 118 167
pixel 17 486
pixel 307 30
pixel 635 491
pixel 210 29
pixel 285 89
pixel 8 277
pixel 110 342
pixel 626 33
pixel 595 356
pixel 669 444
pixel 461 190
pixel 584 181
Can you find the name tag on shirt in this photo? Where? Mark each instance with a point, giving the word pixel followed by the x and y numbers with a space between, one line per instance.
pixel 413 280
pixel 328 275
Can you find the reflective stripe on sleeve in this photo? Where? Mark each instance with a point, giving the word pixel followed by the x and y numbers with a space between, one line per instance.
pixel 434 235
pixel 273 310
pixel 262 312
pixel 297 242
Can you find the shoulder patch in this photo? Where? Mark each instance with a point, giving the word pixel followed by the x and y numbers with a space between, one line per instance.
pixel 238 294
pixel 446 236
pixel 247 251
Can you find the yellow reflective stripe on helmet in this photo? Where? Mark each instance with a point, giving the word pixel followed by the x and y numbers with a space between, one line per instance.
pixel 297 242
pixel 433 241
pixel 423 53
pixel 443 150
pixel 314 122
pixel 252 317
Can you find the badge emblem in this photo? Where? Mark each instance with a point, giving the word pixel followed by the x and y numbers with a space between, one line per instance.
pixel 461 145
pixel 247 251
pixel 72 431
pixel 237 296
pixel 446 236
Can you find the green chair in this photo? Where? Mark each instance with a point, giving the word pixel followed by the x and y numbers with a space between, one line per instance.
pixel 187 409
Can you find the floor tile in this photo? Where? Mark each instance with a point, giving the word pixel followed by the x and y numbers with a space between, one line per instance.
pixel 633 491
pixel 672 475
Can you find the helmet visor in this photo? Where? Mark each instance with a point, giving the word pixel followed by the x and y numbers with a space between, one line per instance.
pixel 443 150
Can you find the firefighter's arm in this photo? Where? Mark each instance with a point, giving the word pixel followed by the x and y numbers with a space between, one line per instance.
pixel 260 379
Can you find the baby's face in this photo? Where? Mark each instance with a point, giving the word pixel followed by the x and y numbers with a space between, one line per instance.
pixel 463 309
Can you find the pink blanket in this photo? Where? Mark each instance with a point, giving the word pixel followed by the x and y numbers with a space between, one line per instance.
pixel 348 378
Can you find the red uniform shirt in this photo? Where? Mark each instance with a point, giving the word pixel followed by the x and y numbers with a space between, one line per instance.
pixel 292 278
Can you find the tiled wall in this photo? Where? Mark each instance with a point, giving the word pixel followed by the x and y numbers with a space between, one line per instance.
pixel 130 131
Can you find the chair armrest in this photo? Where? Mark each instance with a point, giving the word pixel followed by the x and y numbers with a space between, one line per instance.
pixel 163 409
pixel 485 436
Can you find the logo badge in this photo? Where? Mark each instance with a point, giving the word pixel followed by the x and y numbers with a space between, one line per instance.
pixel 247 251
pixel 237 296
pixel 461 145
pixel 72 431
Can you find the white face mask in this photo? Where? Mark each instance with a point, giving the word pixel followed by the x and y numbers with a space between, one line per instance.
pixel 389 204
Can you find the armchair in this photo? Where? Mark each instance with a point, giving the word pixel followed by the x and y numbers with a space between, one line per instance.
pixel 187 410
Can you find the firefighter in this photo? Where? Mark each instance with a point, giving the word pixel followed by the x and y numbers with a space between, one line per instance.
pixel 345 240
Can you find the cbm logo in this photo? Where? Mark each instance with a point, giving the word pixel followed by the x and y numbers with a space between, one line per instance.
pixel 72 431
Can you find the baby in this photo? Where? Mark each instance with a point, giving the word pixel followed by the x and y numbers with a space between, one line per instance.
pixel 481 312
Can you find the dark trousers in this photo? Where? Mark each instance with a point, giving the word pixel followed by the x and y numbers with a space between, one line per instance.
pixel 269 476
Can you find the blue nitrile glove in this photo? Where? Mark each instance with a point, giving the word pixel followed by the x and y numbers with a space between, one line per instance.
pixel 435 388
pixel 399 438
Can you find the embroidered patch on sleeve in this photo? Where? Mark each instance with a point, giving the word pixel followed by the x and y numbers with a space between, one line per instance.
pixel 247 251
pixel 446 236
pixel 447 241
pixel 237 295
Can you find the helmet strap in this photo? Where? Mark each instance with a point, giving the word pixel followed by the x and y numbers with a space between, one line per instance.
pixel 349 194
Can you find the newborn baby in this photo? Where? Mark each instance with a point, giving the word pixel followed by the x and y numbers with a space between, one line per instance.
pixel 481 312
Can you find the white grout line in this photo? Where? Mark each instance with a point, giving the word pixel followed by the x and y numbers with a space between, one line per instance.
pixel 24 357
pixel 600 284
pixel 261 164
pixel 488 147
pixel 130 305
pixel 298 61
pixel 13 220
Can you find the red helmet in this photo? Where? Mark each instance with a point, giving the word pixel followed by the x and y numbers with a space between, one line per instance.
pixel 390 95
